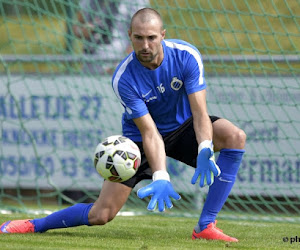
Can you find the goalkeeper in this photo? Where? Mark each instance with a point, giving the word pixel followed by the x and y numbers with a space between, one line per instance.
pixel 162 87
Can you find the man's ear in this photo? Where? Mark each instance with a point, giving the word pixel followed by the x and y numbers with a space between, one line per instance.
pixel 163 33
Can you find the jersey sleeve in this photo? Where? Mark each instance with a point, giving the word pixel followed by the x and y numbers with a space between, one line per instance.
pixel 194 72
pixel 129 97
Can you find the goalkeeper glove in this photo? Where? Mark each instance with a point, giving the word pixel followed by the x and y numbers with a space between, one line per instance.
pixel 160 191
pixel 206 165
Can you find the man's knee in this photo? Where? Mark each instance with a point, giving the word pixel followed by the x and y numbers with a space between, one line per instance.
pixel 101 216
pixel 227 135
pixel 234 139
pixel 111 199
pixel 237 139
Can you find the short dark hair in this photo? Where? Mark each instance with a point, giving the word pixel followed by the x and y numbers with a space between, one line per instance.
pixel 145 15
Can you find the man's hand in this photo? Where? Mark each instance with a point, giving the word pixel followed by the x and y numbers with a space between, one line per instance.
pixel 206 165
pixel 160 191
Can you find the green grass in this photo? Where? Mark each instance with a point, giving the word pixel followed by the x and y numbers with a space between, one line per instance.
pixel 154 232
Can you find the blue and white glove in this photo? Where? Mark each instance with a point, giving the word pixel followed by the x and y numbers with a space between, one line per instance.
pixel 206 166
pixel 160 191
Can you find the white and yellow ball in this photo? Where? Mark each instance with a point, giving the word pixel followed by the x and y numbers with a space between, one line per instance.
pixel 117 158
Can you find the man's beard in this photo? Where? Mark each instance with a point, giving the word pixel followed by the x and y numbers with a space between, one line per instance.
pixel 149 58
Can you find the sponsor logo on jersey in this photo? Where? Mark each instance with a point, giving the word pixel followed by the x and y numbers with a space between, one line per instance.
pixel 176 84
pixel 144 95
pixel 223 180
pixel 151 98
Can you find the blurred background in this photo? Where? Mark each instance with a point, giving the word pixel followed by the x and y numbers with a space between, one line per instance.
pixel 56 102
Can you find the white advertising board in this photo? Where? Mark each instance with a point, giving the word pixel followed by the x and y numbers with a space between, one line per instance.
pixel 50 125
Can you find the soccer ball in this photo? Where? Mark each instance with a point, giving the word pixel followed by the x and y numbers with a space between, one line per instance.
pixel 117 158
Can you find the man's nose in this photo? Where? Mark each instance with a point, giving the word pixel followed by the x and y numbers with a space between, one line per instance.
pixel 145 44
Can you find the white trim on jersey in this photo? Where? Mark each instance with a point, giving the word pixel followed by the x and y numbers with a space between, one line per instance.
pixel 117 78
pixel 191 51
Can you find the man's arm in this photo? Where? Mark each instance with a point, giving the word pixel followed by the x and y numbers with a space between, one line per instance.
pixel 161 189
pixel 202 123
pixel 206 167
pixel 83 29
pixel 152 142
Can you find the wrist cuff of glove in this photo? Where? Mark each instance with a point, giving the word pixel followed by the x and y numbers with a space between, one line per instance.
pixel 160 175
pixel 206 144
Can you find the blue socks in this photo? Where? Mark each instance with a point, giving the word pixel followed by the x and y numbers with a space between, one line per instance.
pixel 73 216
pixel 229 162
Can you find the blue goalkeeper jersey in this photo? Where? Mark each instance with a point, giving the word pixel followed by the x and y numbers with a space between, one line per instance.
pixel 162 92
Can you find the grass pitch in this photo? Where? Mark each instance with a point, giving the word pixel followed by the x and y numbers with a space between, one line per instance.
pixel 155 232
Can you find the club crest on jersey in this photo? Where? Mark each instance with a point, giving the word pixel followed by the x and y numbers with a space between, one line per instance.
pixel 176 84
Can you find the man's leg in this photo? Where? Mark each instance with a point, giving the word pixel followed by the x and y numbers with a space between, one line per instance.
pixel 230 141
pixel 111 199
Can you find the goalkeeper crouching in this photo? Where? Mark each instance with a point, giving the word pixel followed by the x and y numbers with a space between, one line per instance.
pixel 162 87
